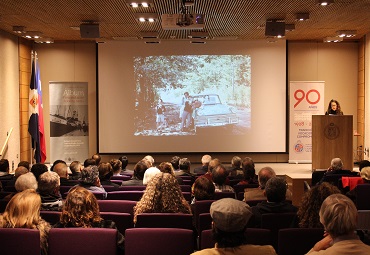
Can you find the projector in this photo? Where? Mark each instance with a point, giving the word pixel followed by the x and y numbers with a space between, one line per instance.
pixel 182 21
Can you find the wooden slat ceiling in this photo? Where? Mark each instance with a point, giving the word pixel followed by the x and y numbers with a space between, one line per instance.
pixel 244 19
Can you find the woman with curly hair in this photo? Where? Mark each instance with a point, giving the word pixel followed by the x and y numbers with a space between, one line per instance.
pixel 81 209
pixel 162 195
pixel 308 213
pixel 334 108
pixel 23 211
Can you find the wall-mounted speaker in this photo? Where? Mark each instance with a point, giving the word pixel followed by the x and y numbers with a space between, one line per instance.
pixel 275 28
pixel 89 31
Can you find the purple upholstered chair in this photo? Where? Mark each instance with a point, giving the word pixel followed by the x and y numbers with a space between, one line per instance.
pixel 201 207
pixel 133 195
pixel 19 241
pixel 50 216
pixel 164 220
pixel 123 220
pixel 129 188
pixel 123 206
pixel 82 241
pixel 220 195
pixel 297 241
pixel 159 241
pixel 362 196
pixel 121 177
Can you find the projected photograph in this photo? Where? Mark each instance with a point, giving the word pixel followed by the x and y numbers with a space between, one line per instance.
pixel 192 95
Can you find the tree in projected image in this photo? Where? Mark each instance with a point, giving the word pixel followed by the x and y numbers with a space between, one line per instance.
pixel 227 77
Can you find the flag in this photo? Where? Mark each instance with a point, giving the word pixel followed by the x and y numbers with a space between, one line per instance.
pixel 36 118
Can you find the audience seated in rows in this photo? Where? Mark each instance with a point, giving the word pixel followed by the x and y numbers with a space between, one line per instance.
pixel 219 176
pixel 23 182
pixel 89 162
pixel 162 194
pixel 338 214
pixel 335 172
pixel 308 212
pixel 116 166
pixel 23 211
pixel 249 172
pixel 137 178
pixel 97 158
pixel 365 175
pixel 184 166
pixel 57 162
pixel 149 174
pixel 275 192
pixel 230 218
pixel 62 170
pixel 125 171
pixel 38 169
pixel 81 209
pixel 212 164
pixel 149 160
pixel 48 188
pixel 105 173
pixel 18 172
pixel 236 170
pixel 203 189
pixel 75 168
pixel 167 167
pixel 90 180
pixel 204 167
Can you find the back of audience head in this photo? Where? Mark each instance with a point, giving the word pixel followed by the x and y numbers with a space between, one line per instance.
pixel 219 175
pixel 25 164
pixel 80 208
pixel 124 161
pixel 247 161
pixel 166 167
pixel 212 164
pixel 264 175
pixel 175 162
pixel 248 168
pixel 184 165
pixel 61 169
pixel 97 158
pixel 236 161
pixel 308 212
pixel 149 174
pixel 38 169
pixel 58 161
pixel 276 189
pixel 26 181
pixel 90 176
pixel 19 171
pixel 363 163
pixel 89 162
pixel 140 169
pixel 336 164
pixel 23 210
pixel 365 174
pixel 105 171
pixel 4 165
pixel 230 218
pixel 203 189
pixel 116 166
pixel 150 160
pixel 206 159
pixel 75 167
pixel 49 183
pixel 338 214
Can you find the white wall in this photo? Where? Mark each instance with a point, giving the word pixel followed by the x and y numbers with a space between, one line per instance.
pixel 9 94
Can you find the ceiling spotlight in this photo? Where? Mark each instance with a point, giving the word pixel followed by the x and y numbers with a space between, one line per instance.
pixel 302 16
pixel 146 17
pixel 333 39
pixel 346 33
pixel 44 40
pixel 19 29
pixel 137 4
pixel 324 2
pixel 32 35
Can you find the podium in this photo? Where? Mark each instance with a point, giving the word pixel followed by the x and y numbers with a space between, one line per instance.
pixel 332 137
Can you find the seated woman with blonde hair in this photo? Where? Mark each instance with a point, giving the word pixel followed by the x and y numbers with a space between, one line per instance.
pixel 81 209
pixel 162 195
pixel 23 211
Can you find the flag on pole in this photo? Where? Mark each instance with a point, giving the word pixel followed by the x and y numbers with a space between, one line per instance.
pixel 36 120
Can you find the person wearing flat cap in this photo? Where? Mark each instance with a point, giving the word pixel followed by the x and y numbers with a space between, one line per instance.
pixel 229 222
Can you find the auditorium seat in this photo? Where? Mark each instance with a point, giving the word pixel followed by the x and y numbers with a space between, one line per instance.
pixel 130 188
pixel 81 241
pixel 121 177
pixel 123 206
pixel 164 220
pixel 133 195
pixel 220 195
pixel 50 216
pixel 123 220
pixel 19 241
pixel 298 241
pixel 158 241
pixel 362 196
pixel 199 208
pixel 241 187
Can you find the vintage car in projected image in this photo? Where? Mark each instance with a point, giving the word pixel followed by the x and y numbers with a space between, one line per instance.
pixel 210 112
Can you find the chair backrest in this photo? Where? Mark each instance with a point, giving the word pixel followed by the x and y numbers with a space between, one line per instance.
pixel 220 195
pixel 52 217
pixel 295 241
pixel 362 197
pixel 187 196
pixel 254 202
pixel 256 236
pixel 19 241
pixel 205 222
pixel 123 220
pixel 119 182
pixel 317 176
pixel 64 190
pixel 133 195
pixel 363 219
pixel 201 207
pixel 240 187
pixel 109 188
pixel 164 220
pixel 185 188
pixel 130 188
pixel 121 177
pixel 158 241
pixel 3 204
pixel 123 206
pixel 81 241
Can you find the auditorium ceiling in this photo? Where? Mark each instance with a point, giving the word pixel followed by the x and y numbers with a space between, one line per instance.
pixel 224 19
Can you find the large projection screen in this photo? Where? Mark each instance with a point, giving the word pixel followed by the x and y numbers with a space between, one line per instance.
pixel 222 96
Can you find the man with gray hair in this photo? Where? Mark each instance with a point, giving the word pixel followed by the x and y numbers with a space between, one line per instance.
pixel 48 188
pixel 335 172
pixel 90 180
pixel 26 181
pixel 264 175
pixel 204 167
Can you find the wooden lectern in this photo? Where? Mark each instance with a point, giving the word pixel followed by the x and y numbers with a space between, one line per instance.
pixel 332 137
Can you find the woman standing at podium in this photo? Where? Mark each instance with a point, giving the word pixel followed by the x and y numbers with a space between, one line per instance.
pixel 334 108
